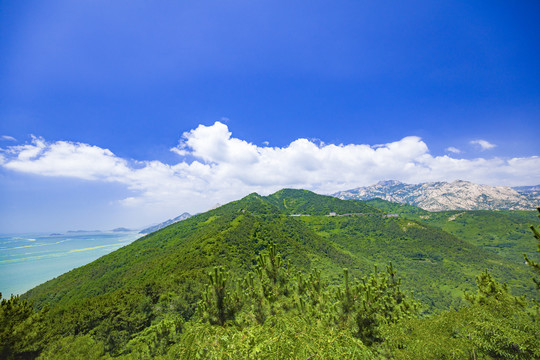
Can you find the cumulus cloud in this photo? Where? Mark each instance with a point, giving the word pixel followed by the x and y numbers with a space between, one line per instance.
pixel 453 150
pixel 222 168
pixel 483 144
pixel 64 158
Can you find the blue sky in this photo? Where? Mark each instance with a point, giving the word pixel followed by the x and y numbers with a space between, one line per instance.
pixel 126 113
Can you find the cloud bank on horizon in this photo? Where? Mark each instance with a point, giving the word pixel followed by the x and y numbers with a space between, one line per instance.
pixel 215 166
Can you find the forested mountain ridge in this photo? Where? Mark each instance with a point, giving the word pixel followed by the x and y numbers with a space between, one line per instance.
pixel 142 294
pixel 235 233
pixel 441 196
pixel 292 201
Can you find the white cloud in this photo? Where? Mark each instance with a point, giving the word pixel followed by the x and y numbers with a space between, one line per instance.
pixel 453 150
pixel 7 138
pixel 223 168
pixel 64 158
pixel 484 145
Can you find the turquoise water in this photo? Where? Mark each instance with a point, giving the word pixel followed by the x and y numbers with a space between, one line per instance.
pixel 27 260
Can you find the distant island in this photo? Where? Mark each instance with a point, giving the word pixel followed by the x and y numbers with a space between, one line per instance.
pixel 122 229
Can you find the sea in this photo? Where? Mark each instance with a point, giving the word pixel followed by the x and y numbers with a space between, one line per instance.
pixel 27 260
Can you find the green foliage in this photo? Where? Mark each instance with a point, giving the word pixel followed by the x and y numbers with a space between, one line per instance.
pixel 372 302
pixel 20 329
pixel 75 347
pixel 268 294
pixel 494 295
pixel 111 320
pixel 155 340
pixel 405 210
pixel 280 337
pixel 502 232
pixel 437 266
pixel 473 332
pixel 218 305
pixel 495 326
pixel 359 309
pixel 292 201
pixel 262 293
pixel 533 264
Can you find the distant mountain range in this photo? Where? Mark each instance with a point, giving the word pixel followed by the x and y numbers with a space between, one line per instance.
pixel 151 229
pixel 442 196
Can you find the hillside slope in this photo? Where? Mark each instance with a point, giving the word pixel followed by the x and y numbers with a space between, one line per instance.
pixel 504 232
pixel 169 265
pixel 178 256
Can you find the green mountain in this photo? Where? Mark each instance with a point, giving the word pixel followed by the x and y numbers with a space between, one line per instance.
pixel 162 275
pixel 177 257
pixel 439 267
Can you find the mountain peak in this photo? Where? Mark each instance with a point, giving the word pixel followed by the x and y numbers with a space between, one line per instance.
pixel 151 229
pixel 440 196
pixel 389 183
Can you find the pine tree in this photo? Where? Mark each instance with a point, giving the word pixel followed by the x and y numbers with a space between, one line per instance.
pixel 372 302
pixel 18 328
pixel 218 304
pixel 272 292
pixel 358 307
